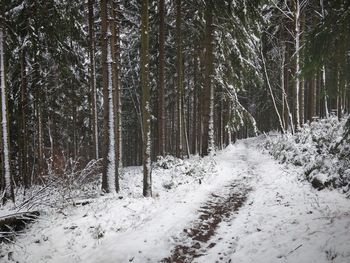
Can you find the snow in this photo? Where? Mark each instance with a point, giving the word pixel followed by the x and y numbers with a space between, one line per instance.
pixel 16 10
pixel 283 220
pixel 286 220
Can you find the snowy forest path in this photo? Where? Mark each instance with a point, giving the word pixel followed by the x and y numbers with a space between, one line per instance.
pixel 199 236
pixel 184 228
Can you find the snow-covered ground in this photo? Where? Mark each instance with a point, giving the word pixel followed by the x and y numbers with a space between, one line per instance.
pixel 283 220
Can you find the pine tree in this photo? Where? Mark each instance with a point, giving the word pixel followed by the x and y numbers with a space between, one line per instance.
pixel 161 80
pixel 297 10
pixel 115 48
pixel 7 180
pixel 208 96
pixel 179 83
pixel 23 135
pixel 93 90
pixel 109 167
pixel 146 110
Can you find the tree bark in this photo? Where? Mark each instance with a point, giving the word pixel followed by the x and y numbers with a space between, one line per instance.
pixel 8 183
pixel 93 88
pixel 325 92
pixel 109 164
pixel 302 81
pixel 297 65
pixel 285 90
pixel 179 82
pixel 24 131
pixel 313 95
pixel 195 105
pixel 208 96
pixel 104 22
pixel 146 107
pixel 161 84
pixel 115 42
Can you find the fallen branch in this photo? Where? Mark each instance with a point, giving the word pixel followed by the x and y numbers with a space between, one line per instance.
pixel 290 252
pixel 11 224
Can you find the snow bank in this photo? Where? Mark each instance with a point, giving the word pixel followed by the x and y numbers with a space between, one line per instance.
pixel 320 149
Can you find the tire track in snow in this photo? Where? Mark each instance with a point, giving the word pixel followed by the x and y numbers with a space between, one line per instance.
pixel 217 209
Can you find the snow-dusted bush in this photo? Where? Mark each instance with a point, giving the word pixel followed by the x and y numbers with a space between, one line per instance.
pixel 321 148
pixel 168 162
pixel 173 171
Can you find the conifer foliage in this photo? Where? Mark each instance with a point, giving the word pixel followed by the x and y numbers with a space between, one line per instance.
pixel 127 81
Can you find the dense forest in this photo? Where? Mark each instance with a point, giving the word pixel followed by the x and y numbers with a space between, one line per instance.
pixel 118 83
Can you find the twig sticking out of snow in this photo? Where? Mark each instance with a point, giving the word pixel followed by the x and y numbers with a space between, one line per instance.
pixel 290 252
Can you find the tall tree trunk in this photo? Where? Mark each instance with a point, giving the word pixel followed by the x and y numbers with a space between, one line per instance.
pixel 119 97
pixel 221 123
pixel 161 84
pixel 172 140
pixel 115 42
pixel 93 88
pixel 313 94
pixel 40 151
pixel 318 94
pixel 302 102
pixel 109 164
pixel 326 111
pixel 208 96
pixel 146 106
pixel 51 164
pixel 104 22
pixel 285 89
pixel 195 104
pixel 229 134
pixel 185 130
pixel 75 139
pixel 342 87
pixel 201 98
pixel 24 131
pixel 283 57
pixel 8 183
pixel 297 65
pixel 301 80
pixel 179 82
pixel 343 95
pixel 38 103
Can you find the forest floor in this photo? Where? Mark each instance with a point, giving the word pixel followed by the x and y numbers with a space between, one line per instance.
pixel 247 208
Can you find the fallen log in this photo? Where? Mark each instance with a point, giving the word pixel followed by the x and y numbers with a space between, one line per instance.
pixel 13 224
